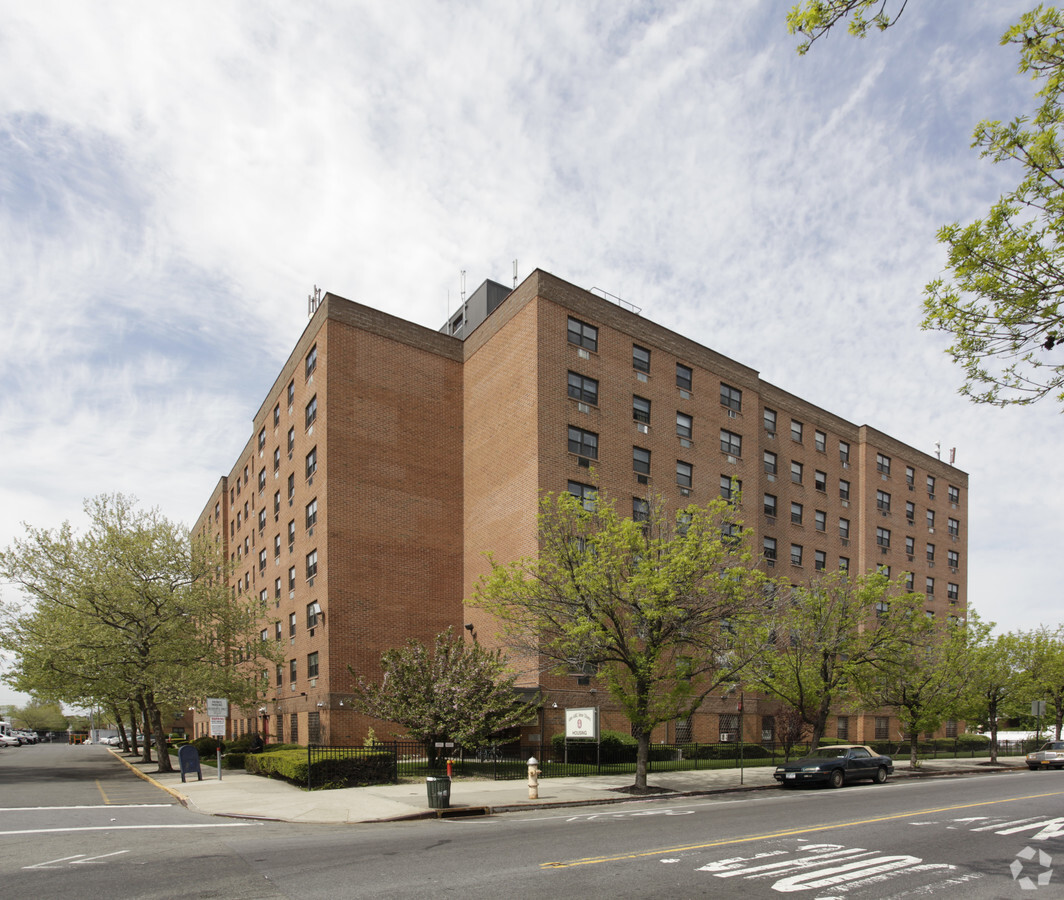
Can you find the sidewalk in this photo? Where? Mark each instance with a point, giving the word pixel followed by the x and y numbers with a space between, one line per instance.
pixel 252 796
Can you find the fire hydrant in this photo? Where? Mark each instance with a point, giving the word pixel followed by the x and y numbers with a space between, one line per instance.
pixel 533 778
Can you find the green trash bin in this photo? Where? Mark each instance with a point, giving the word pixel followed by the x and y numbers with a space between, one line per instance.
pixel 439 788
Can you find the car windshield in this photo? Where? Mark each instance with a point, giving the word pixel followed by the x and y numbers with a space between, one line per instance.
pixel 832 752
pixel 1054 745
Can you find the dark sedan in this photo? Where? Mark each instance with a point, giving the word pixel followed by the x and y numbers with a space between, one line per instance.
pixel 835 766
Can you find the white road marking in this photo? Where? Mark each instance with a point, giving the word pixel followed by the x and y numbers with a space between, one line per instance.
pixel 92 859
pixel 851 871
pixel 77 859
pixel 124 828
pixel 51 863
pixel 99 806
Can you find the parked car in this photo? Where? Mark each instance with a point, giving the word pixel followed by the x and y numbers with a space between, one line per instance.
pixel 835 766
pixel 9 740
pixel 1049 756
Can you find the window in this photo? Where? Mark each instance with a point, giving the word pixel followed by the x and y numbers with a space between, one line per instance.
pixel 684 425
pixel 910 476
pixel 262 439
pixel 262 518
pixel 768 546
pixel 276 502
pixel 291 487
pixel 583 335
pixel 277 588
pixel 291 578
pixel 882 728
pixel 909 581
pixel 731 443
pixel 313 614
pixel 820 441
pixel 280 674
pixel 796 554
pixel 684 472
pixel 844 529
pixel 820 560
pixel 730 488
pixel 952 592
pixel 641 460
pixel 796 472
pixel 910 545
pixel 640 358
pixel 842 728
pixel 844 453
pixel 929 586
pixel 931 553
pixel 312 513
pixel 883 537
pixel 731 397
pixel 640 409
pixel 820 480
pixel 292 671
pixel 820 519
pixel 796 513
pixel 683 377
pixel 312 564
pixel 770 463
pixel 312 362
pixel 953 558
pixel 312 462
pixel 882 464
pixel 769 417
pixel 954 494
pixel 640 509
pixel 883 501
pixel 291 394
pixel 953 527
pixel 931 518
pixel 291 533
pixel 931 486
pixel 844 489
pixel 770 505
pixel 276 415
pixel 311 411
pixel 583 388
pixel 583 443
pixel 585 493
pixel 276 458
pixel 844 564
pixel 262 560
pixel 312 665
pixel 796 431
pixel 910 511
pixel 951 728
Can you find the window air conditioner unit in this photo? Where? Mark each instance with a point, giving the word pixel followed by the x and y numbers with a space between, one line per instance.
pixel 685 395
pixel 686 492
pixel 727 737
pixel 732 414
pixel 583 354
pixel 684 442
pixel 642 428
pixel 583 407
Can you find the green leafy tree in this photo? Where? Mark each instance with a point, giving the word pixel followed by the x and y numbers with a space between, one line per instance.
pixel 834 634
pixel 40 715
pixel 997 677
pixel 653 607
pixel 1045 648
pixel 1001 298
pixel 133 610
pixel 458 691
pixel 922 680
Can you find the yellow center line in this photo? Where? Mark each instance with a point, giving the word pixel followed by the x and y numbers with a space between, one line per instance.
pixel 595 860
pixel 103 793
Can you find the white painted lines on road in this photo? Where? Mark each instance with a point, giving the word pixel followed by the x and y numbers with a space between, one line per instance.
pixel 124 828
pixel 79 859
pixel 97 806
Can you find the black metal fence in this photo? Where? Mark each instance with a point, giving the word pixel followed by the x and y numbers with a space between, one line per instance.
pixel 348 766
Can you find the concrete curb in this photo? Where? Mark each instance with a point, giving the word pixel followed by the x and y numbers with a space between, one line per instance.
pixel 180 798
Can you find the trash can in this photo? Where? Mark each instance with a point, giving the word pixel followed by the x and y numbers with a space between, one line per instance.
pixel 439 788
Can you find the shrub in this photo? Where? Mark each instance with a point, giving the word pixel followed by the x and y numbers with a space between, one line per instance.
pixel 352 771
pixel 207 746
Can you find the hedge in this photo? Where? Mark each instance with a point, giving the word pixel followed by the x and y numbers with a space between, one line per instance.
pixel 291 765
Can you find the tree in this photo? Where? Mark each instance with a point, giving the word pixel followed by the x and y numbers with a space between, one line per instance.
pixel 1001 299
pixel 997 677
pixel 651 604
pixel 922 680
pixel 133 610
pixel 458 692
pixel 834 633
pixel 816 18
pixel 1046 664
pixel 790 728
pixel 38 715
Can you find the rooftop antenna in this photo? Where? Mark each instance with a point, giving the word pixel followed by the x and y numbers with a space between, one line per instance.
pixel 463 285
pixel 515 273
pixel 938 450
pixel 313 301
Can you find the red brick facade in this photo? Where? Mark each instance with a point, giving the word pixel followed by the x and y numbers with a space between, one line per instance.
pixel 427 452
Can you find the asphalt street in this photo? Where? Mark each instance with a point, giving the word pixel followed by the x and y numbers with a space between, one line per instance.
pixel 82 825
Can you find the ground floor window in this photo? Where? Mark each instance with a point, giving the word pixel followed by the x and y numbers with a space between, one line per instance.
pixel 951 728
pixel 293 729
pixel 882 728
pixel 314 728
pixel 768 728
pixel 683 731
pixel 729 727
pixel 842 728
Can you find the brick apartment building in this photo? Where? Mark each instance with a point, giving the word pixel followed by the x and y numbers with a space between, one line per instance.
pixel 387 459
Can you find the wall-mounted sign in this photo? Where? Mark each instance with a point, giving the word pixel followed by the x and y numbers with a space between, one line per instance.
pixel 582 723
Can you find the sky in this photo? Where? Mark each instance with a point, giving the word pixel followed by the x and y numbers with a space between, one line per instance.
pixel 175 179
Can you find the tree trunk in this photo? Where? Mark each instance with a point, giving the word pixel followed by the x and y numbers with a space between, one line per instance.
pixel 641 757
pixel 161 752
pixel 145 730
pixel 992 716
pixel 821 723
pixel 1058 707
pixel 131 745
pixel 913 763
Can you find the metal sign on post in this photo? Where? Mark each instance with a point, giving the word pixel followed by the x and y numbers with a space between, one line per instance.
pixel 218 726
pixel 217 706
pixel 582 723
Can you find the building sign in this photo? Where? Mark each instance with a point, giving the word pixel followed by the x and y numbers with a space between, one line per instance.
pixel 218 726
pixel 217 707
pixel 582 723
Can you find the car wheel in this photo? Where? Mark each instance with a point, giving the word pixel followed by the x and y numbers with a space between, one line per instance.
pixel 881 775
pixel 1033 768
pixel 836 778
